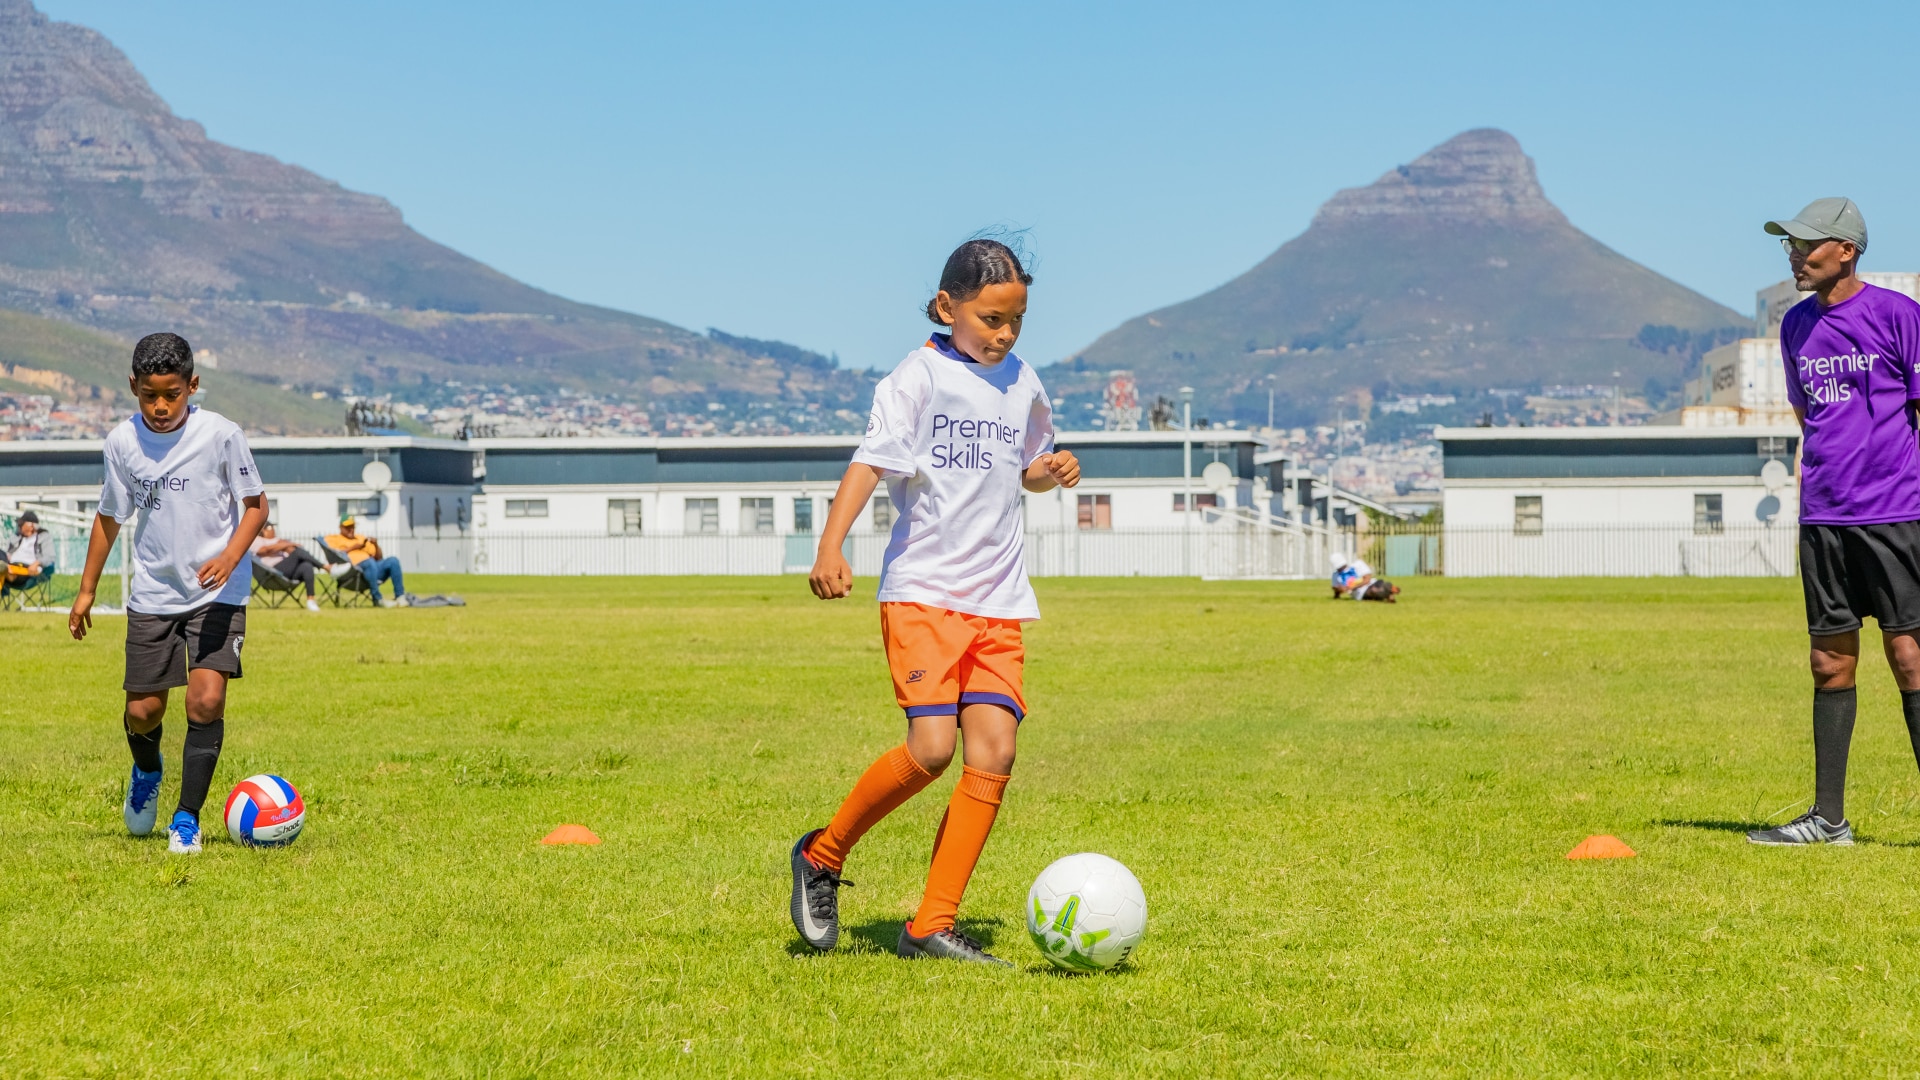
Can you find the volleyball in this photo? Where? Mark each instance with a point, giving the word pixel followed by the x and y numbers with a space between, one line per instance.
pixel 265 811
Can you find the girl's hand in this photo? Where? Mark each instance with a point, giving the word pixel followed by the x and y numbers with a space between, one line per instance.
pixel 1063 467
pixel 832 578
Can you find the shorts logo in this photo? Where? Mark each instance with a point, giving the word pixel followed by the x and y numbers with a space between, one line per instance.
pixel 914 676
pixel 237 640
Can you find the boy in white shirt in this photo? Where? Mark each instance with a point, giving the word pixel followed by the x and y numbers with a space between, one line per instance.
pixel 187 480
pixel 957 431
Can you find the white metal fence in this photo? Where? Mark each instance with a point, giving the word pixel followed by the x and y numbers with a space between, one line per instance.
pixel 1223 546
pixel 1611 551
pixel 1218 546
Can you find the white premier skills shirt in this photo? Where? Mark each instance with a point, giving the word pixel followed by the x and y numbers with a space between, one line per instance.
pixel 953 437
pixel 184 490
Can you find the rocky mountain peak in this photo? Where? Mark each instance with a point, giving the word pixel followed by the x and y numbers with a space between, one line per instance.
pixel 1477 176
pixel 75 114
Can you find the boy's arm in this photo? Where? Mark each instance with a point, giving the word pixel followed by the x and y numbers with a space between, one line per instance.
pixel 1059 467
pixel 105 532
pixel 215 572
pixel 832 578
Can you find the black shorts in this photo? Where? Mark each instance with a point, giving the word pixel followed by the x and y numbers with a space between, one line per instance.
pixel 162 648
pixel 1849 572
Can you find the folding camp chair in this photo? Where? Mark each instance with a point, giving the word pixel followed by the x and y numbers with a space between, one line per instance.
pixel 273 588
pixel 343 582
pixel 35 592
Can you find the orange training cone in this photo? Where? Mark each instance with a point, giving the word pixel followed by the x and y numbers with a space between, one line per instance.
pixel 580 834
pixel 1601 847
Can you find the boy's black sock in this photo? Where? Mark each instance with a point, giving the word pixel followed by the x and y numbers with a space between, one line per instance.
pixel 146 748
pixel 1910 705
pixel 1832 735
pixel 197 762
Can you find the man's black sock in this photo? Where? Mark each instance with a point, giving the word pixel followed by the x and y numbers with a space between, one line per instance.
pixel 1910 705
pixel 1832 734
pixel 146 748
pixel 196 764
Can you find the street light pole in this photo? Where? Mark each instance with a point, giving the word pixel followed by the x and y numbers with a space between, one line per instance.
pixel 1186 473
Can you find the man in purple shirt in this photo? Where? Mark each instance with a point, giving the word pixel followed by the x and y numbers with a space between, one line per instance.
pixel 1852 353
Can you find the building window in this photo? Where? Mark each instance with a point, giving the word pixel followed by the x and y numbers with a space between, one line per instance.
pixel 882 514
pixel 1528 520
pixel 703 516
pixel 1200 502
pixel 756 515
pixel 623 517
pixel 1773 446
pixel 1096 511
pixel 803 515
pixel 273 509
pixel 90 507
pixel 1706 514
pixel 526 508
pixel 359 508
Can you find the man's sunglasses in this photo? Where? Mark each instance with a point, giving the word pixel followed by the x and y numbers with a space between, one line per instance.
pixel 1793 245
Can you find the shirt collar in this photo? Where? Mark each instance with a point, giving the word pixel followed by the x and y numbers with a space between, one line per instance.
pixel 943 344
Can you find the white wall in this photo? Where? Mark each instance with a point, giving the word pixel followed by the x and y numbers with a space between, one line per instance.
pixel 1470 503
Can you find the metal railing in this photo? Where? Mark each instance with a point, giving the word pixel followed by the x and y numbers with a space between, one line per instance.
pixel 1601 550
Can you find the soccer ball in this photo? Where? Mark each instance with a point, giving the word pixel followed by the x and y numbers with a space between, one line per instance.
pixel 1086 912
pixel 265 811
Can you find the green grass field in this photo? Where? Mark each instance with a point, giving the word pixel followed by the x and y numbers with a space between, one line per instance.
pixel 1349 820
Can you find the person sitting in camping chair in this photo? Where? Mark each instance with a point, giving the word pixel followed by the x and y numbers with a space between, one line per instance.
pixel 288 559
pixel 29 556
pixel 364 553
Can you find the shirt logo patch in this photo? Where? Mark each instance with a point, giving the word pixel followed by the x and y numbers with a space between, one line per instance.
pixel 914 676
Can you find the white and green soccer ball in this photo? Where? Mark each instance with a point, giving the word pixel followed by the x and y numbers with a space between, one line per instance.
pixel 1086 912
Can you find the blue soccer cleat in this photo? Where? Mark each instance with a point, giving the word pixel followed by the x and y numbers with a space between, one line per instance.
pixel 143 801
pixel 183 836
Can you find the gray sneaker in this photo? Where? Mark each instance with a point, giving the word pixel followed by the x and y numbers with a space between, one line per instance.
pixel 948 944
pixel 816 898
pixel 1808 828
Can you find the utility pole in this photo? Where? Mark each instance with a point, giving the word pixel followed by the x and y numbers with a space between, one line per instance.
pixel 1186 500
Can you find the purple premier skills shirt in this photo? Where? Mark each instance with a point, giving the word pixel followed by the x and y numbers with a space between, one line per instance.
pixel 1852 368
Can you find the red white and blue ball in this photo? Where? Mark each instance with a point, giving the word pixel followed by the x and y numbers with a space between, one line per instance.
pixel 265 811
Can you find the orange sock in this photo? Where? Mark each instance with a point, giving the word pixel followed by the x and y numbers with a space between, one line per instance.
pixel 957 846
pixel 891 780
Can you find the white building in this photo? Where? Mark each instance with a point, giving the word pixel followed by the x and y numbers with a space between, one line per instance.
pixel 668 505
pixel 1620 501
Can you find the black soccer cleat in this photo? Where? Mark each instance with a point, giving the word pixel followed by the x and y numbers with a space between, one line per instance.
pixel 948 944
pixel 816 898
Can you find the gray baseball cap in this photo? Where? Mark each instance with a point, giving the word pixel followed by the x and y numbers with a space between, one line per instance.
pixel 1825 219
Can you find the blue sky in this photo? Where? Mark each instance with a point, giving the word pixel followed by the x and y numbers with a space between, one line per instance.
pixel 800 171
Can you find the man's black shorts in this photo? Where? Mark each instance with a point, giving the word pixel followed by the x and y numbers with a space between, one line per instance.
pixel 1849 572
pixel 161 648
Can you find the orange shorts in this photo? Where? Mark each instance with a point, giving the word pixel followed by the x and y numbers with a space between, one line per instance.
pixel 944 659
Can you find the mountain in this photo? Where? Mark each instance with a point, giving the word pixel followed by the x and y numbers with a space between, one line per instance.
pixel 117 215
pixel 1451 274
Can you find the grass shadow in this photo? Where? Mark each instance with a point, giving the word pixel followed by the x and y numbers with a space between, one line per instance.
pixel 1753 826
pixel 1714 825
